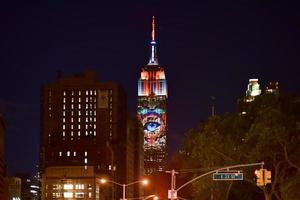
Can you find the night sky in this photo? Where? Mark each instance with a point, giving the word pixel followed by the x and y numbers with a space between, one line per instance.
pixel 207 49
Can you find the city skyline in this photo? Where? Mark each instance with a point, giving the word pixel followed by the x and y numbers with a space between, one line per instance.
pixel 208 50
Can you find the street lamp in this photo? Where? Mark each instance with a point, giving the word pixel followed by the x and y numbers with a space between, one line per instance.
pixel 150 196
pixel 144 182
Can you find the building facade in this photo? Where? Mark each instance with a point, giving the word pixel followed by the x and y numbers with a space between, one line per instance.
pixel 15 188
pixel 84 130
pixel 152 110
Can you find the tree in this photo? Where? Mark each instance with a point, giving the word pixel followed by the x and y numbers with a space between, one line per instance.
pixel 269 132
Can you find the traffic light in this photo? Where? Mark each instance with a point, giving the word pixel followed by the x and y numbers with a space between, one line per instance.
pixel 259 173
pixel 268 176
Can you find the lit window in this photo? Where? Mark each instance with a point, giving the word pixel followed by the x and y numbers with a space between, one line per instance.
pixel 91 112
pixel 68 195
pixel 79 99
pixel 91 106
pixel 85 167
pixel 110 99
pixel 68 186
pixel 91 99
pixel 86 106
pixel 79 195
pixel 64 133
pixel 86 133
pixel 79 106
pixel 64 100
pixel 86 99
pixel 90 195
pixel 94 105
pixel 71 133
pixel 86 92
pixel 71 126
pixel 94 126
pixel 79 113
pixel 72 119
pixel 72 93
pixel 64 127
pixel 72 113
pixel 94 112
pixel 68 153
pixel 72 106
pixel 86 113
pixel 86 119
pixel 60 153
pixel 78 126
pixel 94 119
pixel 64 120
pixel 79 119
pixel 91 92
pixel 74 153
pixel 64 113
pixel 94 133
pixel 86 126
pixel 85 153
pixel 95 92
pixel 64 93
pixel 79 93
pixel 85 160
pixel 109 167
pixel 78 133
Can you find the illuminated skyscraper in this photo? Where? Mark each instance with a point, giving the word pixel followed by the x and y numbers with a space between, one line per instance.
pixel 152 110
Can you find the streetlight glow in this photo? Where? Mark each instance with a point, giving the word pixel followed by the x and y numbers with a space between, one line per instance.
pixel 144 182
pixel 102 180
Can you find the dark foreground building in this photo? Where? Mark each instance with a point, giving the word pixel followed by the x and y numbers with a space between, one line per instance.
pixel 84 137
pixel 3 178
pixel 152 110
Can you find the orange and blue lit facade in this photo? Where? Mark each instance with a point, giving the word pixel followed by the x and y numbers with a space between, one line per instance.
pixel 152 110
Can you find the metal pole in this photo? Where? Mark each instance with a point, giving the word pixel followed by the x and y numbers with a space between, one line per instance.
pixel 124 191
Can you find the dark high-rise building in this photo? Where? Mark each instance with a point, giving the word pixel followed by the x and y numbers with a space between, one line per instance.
pixel 83 137
pixel 273 87
pixel 3 178
pixel 152 110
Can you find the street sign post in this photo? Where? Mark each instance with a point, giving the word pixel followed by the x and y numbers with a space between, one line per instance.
pixel 228 176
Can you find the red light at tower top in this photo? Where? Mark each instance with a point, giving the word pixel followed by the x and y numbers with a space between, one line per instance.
pixel 153 28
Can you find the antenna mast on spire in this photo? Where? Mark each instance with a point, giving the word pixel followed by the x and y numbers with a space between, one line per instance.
pixel 153 57
pixel 153 28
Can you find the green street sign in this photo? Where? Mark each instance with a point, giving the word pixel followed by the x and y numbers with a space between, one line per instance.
pixel 228 176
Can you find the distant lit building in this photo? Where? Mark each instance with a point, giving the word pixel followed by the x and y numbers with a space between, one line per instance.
pixel 273 88
pixel 253 90
pixel 3 179
pixel 15 188
pixel 152 110
pixel 83 137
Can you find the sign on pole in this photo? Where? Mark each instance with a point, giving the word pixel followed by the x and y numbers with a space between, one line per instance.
pixel 228 176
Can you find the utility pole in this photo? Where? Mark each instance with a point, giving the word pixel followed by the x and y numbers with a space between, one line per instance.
pixel 173 192
pixel 213 99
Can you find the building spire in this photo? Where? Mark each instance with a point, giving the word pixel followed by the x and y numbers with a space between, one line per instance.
pixel 153 57
pixel 153 28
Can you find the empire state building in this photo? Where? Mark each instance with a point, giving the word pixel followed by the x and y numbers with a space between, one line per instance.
pixel 152 110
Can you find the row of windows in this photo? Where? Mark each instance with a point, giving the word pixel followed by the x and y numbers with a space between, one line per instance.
pixel 87 99
pixel 70 195
pixel 91 119
pixel 68 153
pixel 87 113
pixel 87 106
pixel 87 92
pixel 87 126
